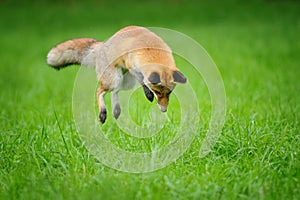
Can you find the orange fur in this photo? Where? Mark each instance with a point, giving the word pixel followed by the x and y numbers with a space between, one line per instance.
pixel 132 53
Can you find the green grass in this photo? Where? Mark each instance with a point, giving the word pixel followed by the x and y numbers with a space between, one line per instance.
pixel 256 47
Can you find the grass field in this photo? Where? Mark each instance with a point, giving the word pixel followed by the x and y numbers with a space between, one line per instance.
pixel 256 47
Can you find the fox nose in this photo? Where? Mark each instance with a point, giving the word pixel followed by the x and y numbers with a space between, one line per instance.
pixel 163 108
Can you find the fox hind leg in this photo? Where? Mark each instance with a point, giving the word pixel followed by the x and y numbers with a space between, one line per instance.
pixel 115 104
pixel 101 104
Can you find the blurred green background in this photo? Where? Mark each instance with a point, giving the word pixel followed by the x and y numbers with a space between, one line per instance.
pixel 256 46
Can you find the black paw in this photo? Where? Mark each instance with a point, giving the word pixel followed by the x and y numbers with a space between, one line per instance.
pixel 148 93
pixel 117 111
pixel 102 115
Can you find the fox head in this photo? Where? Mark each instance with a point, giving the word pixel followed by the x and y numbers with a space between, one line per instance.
pixel 162 83
pixel 156 69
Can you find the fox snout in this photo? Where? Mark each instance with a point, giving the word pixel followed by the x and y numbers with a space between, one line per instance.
pixel 162 108
pixel 163 104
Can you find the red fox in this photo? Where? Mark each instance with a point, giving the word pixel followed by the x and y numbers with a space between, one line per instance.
pixel 133 53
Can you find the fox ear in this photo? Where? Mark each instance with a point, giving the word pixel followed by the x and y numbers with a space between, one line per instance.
pixel 154 78
pixel 178 77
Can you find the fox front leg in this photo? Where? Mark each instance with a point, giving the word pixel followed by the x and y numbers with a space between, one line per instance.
pixel 149 94
pixel 115 104
pixel 140 77
pixel 101 105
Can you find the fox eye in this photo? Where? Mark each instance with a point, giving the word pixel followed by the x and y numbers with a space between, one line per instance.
pixel 158 93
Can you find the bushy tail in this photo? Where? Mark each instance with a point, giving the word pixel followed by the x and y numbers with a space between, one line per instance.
pixel 71 52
